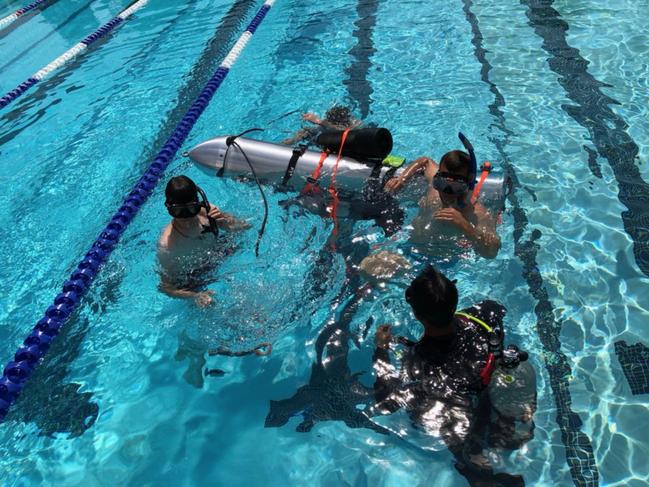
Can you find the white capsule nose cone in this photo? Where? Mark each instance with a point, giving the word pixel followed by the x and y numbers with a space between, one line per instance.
pixel 209 154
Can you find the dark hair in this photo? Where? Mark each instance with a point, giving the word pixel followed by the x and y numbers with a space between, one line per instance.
pixel 433 297
pixel 456 161
pixel 180 190
pixel 339 115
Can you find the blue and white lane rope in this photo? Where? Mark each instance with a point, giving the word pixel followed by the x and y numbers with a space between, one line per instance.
pixel 71 53
pixel 10 19
pixel 38 342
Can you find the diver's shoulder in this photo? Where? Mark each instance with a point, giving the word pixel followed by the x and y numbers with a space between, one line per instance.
pixel 165 238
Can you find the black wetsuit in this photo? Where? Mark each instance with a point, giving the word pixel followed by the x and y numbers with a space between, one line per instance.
pixel 439 384
pixel 441 369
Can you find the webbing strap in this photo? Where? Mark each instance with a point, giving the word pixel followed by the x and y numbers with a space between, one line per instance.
pixel 290 169
pixel 310 186
pixel 332 183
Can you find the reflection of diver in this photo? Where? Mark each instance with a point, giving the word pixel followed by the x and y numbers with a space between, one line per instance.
pixel 457 382
pixel 333 393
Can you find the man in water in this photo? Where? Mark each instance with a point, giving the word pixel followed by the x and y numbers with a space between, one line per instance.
pixel 444 376
pixel 446 212
pixel 188 248
pixel 337 117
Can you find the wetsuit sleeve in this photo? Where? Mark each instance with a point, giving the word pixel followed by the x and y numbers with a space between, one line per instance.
pixel 386 380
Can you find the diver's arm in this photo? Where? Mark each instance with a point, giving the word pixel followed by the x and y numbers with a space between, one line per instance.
pixel 483 234
pixel 202 298
pixel 386 380
pixel 298 136
pixel 416 166
pixel 227 221
pixel 168 287
pixel 384 371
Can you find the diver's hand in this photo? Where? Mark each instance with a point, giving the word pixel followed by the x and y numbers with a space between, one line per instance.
pixel 394 184
pixel 220 217
pixel 383 336
pixel 204 298
pixel 311 117
pixel 455 218
pixel 264 348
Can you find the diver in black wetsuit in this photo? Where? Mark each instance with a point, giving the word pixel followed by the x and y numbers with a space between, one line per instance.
pixel 444 381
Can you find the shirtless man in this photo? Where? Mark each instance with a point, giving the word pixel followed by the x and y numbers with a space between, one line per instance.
pixel 187 247
pixel 446 211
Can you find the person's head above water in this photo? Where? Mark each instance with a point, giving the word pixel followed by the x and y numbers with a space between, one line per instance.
pixel 339 115
pixel 433 298
pixel 182 197
pixel 452 180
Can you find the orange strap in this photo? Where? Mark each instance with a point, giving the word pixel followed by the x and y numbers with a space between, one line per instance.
pixel 486 167
pixel 309 187
pixel 332 183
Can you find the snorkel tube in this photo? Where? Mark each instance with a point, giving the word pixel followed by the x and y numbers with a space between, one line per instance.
pixel 214 228
pixel 473 172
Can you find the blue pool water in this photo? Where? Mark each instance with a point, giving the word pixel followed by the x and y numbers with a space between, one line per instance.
pixel 115 401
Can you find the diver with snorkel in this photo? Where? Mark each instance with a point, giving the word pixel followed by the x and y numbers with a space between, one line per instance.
pixel 187 249
pixel 450 209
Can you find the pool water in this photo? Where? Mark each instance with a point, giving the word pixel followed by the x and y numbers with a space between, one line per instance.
pixel 120 398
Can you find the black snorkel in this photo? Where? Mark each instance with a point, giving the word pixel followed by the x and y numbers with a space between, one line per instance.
pixel 214 228
pixel 473 172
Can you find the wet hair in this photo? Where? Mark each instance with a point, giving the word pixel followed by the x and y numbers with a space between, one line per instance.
pixel 181 189
pixel 339 115
pixel 433 297
pixel 456 162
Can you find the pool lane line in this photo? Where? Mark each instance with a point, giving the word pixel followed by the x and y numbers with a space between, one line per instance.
pixel 579 450
pixel 11 18
pixel 38 342
pixel 69 19
pixel 591 110
pixel 71 53
pixel 358 86
pixel 59 78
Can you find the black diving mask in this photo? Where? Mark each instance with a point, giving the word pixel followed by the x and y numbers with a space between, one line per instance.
pixel 193 208
pixel 450 184
pixel 184 210
pixel 190 209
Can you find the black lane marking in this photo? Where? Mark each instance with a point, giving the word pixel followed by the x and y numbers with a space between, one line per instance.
pixel 213 53
pixel 634 360
pixel 592 111
pixel 579 451
pixel 358 86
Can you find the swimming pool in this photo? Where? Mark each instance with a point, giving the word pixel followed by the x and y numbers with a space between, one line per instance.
pixel 113 402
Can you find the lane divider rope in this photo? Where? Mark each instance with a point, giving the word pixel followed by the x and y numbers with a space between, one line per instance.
pixel 47 328
pixel 71 53
pixel 10 19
